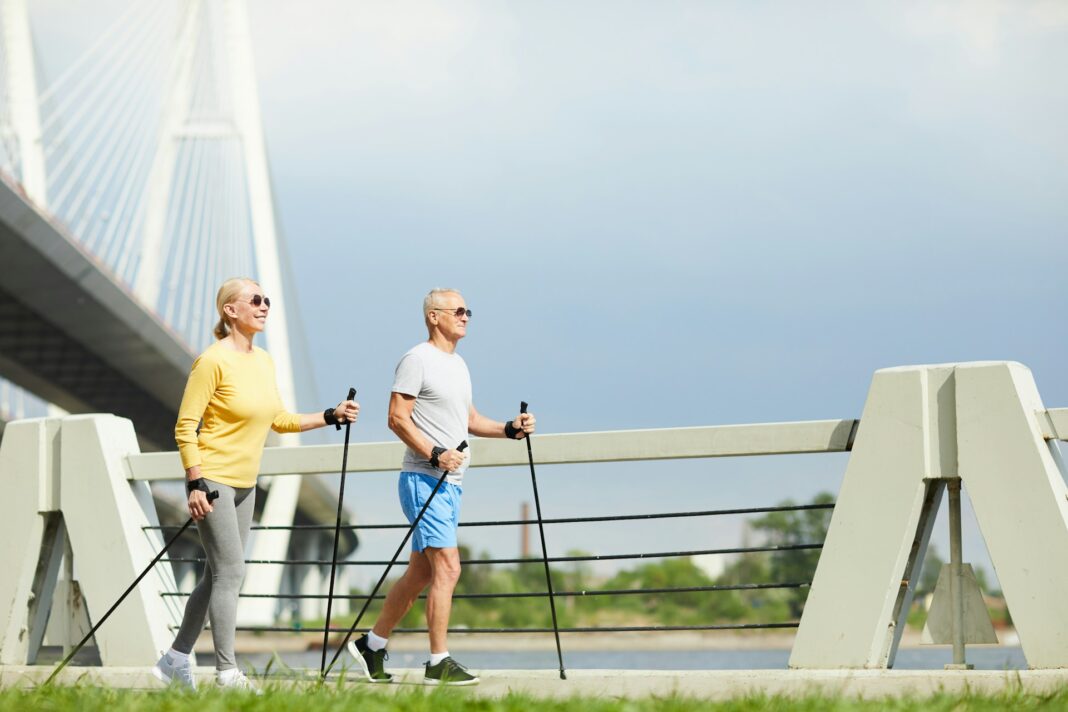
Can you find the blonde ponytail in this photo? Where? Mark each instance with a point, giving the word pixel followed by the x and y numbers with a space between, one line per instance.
pixel 229 291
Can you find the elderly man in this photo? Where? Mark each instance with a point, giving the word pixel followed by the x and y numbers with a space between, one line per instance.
pixel 430 410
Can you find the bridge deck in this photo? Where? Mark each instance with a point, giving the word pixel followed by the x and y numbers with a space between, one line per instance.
pixel 72 335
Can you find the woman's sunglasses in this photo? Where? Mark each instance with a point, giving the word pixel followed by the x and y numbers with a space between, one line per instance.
pixel 258 300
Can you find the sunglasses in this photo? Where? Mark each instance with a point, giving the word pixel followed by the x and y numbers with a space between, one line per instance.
pixel 459 312
pixel 258 300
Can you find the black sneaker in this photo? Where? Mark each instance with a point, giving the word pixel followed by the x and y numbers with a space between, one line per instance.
pixel 372 662
pixel 448 672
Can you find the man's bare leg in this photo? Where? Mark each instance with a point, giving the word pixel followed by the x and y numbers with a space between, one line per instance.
pixel 403 594
pixel 445 572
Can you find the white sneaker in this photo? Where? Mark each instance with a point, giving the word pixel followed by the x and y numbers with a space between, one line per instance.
pixel 238 681
pixel 174 673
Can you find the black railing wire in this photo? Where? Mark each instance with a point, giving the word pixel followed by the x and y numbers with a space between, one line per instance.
pixel 557 559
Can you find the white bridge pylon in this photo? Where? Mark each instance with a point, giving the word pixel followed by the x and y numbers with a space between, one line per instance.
pixel 20 122
pixel 149 148
pixel 224 25
pixel 983 423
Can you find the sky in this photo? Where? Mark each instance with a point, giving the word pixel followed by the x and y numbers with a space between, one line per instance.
pixel 667 214
pixel 671 214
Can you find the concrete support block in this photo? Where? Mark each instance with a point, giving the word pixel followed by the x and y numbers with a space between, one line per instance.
pixel 280 508
pixel 69 622
pixel 1020 501
pixel 342 586
pixel 922 425
pixel 67 484
pixel 313 581
pixel 29 477
pixel 880 524
pixel 978 628
pixel 106 516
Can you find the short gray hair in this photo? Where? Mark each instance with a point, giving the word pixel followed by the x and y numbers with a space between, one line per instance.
pixel 431 299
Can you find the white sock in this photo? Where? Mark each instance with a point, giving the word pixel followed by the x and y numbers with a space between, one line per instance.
pixel 225 676
pixel 436 658
pixel 177 658
pixel 376 642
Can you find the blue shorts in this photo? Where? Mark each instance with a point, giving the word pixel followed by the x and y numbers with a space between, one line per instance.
pixel 437 528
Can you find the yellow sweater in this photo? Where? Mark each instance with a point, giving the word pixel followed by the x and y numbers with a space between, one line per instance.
pixel 236 395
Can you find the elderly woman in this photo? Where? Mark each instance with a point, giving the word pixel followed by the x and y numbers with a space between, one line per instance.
pixel 233 392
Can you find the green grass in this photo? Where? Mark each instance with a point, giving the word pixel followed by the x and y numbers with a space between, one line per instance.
pixel 290 697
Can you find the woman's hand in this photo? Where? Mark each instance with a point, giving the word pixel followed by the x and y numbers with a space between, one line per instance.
pixel 347 411
pixel 199 506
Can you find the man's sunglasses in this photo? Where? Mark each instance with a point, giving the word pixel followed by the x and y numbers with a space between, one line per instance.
pixel 459 312
pixel 258 300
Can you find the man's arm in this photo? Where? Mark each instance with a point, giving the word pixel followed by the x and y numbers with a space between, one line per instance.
pixel 401 407
pixel 483 427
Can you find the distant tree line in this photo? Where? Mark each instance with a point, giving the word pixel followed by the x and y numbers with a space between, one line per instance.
pixel 769 605
pixel 671 608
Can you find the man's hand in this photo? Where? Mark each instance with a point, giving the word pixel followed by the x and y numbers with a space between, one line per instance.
pixel 524 422
pixel 451 460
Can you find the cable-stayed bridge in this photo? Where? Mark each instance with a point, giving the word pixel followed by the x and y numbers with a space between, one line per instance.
pixel 133 180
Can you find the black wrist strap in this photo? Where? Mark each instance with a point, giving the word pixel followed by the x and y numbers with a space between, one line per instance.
pixel 330 416
pixel 197 484
pixel 435 454
pixel 510 431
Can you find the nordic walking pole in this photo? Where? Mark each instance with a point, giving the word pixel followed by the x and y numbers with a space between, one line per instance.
pixel 337 533
pixel 411 530
pixel 544 551
pixel 212 496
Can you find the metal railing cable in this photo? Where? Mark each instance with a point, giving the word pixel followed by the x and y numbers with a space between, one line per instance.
pixel 772 549
pixel 552 559
pixel 575 629
pixel 535 594
pixel 562 520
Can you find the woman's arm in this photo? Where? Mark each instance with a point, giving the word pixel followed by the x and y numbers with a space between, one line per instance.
pixel 346 412
pixel 203 379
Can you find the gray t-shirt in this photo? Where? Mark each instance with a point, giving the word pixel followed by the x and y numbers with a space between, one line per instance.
pixel 441 385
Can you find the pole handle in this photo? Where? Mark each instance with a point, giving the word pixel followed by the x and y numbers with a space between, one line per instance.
pixel 212 496
pixel 522 407
pixel 350 396
pixel 462 447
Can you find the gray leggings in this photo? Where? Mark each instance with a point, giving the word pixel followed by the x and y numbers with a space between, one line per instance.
pixel 224 533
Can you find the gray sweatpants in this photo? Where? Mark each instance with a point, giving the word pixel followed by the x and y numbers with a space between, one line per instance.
pixel 224 533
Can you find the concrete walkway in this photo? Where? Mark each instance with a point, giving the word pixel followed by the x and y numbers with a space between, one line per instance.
pixel 712 684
